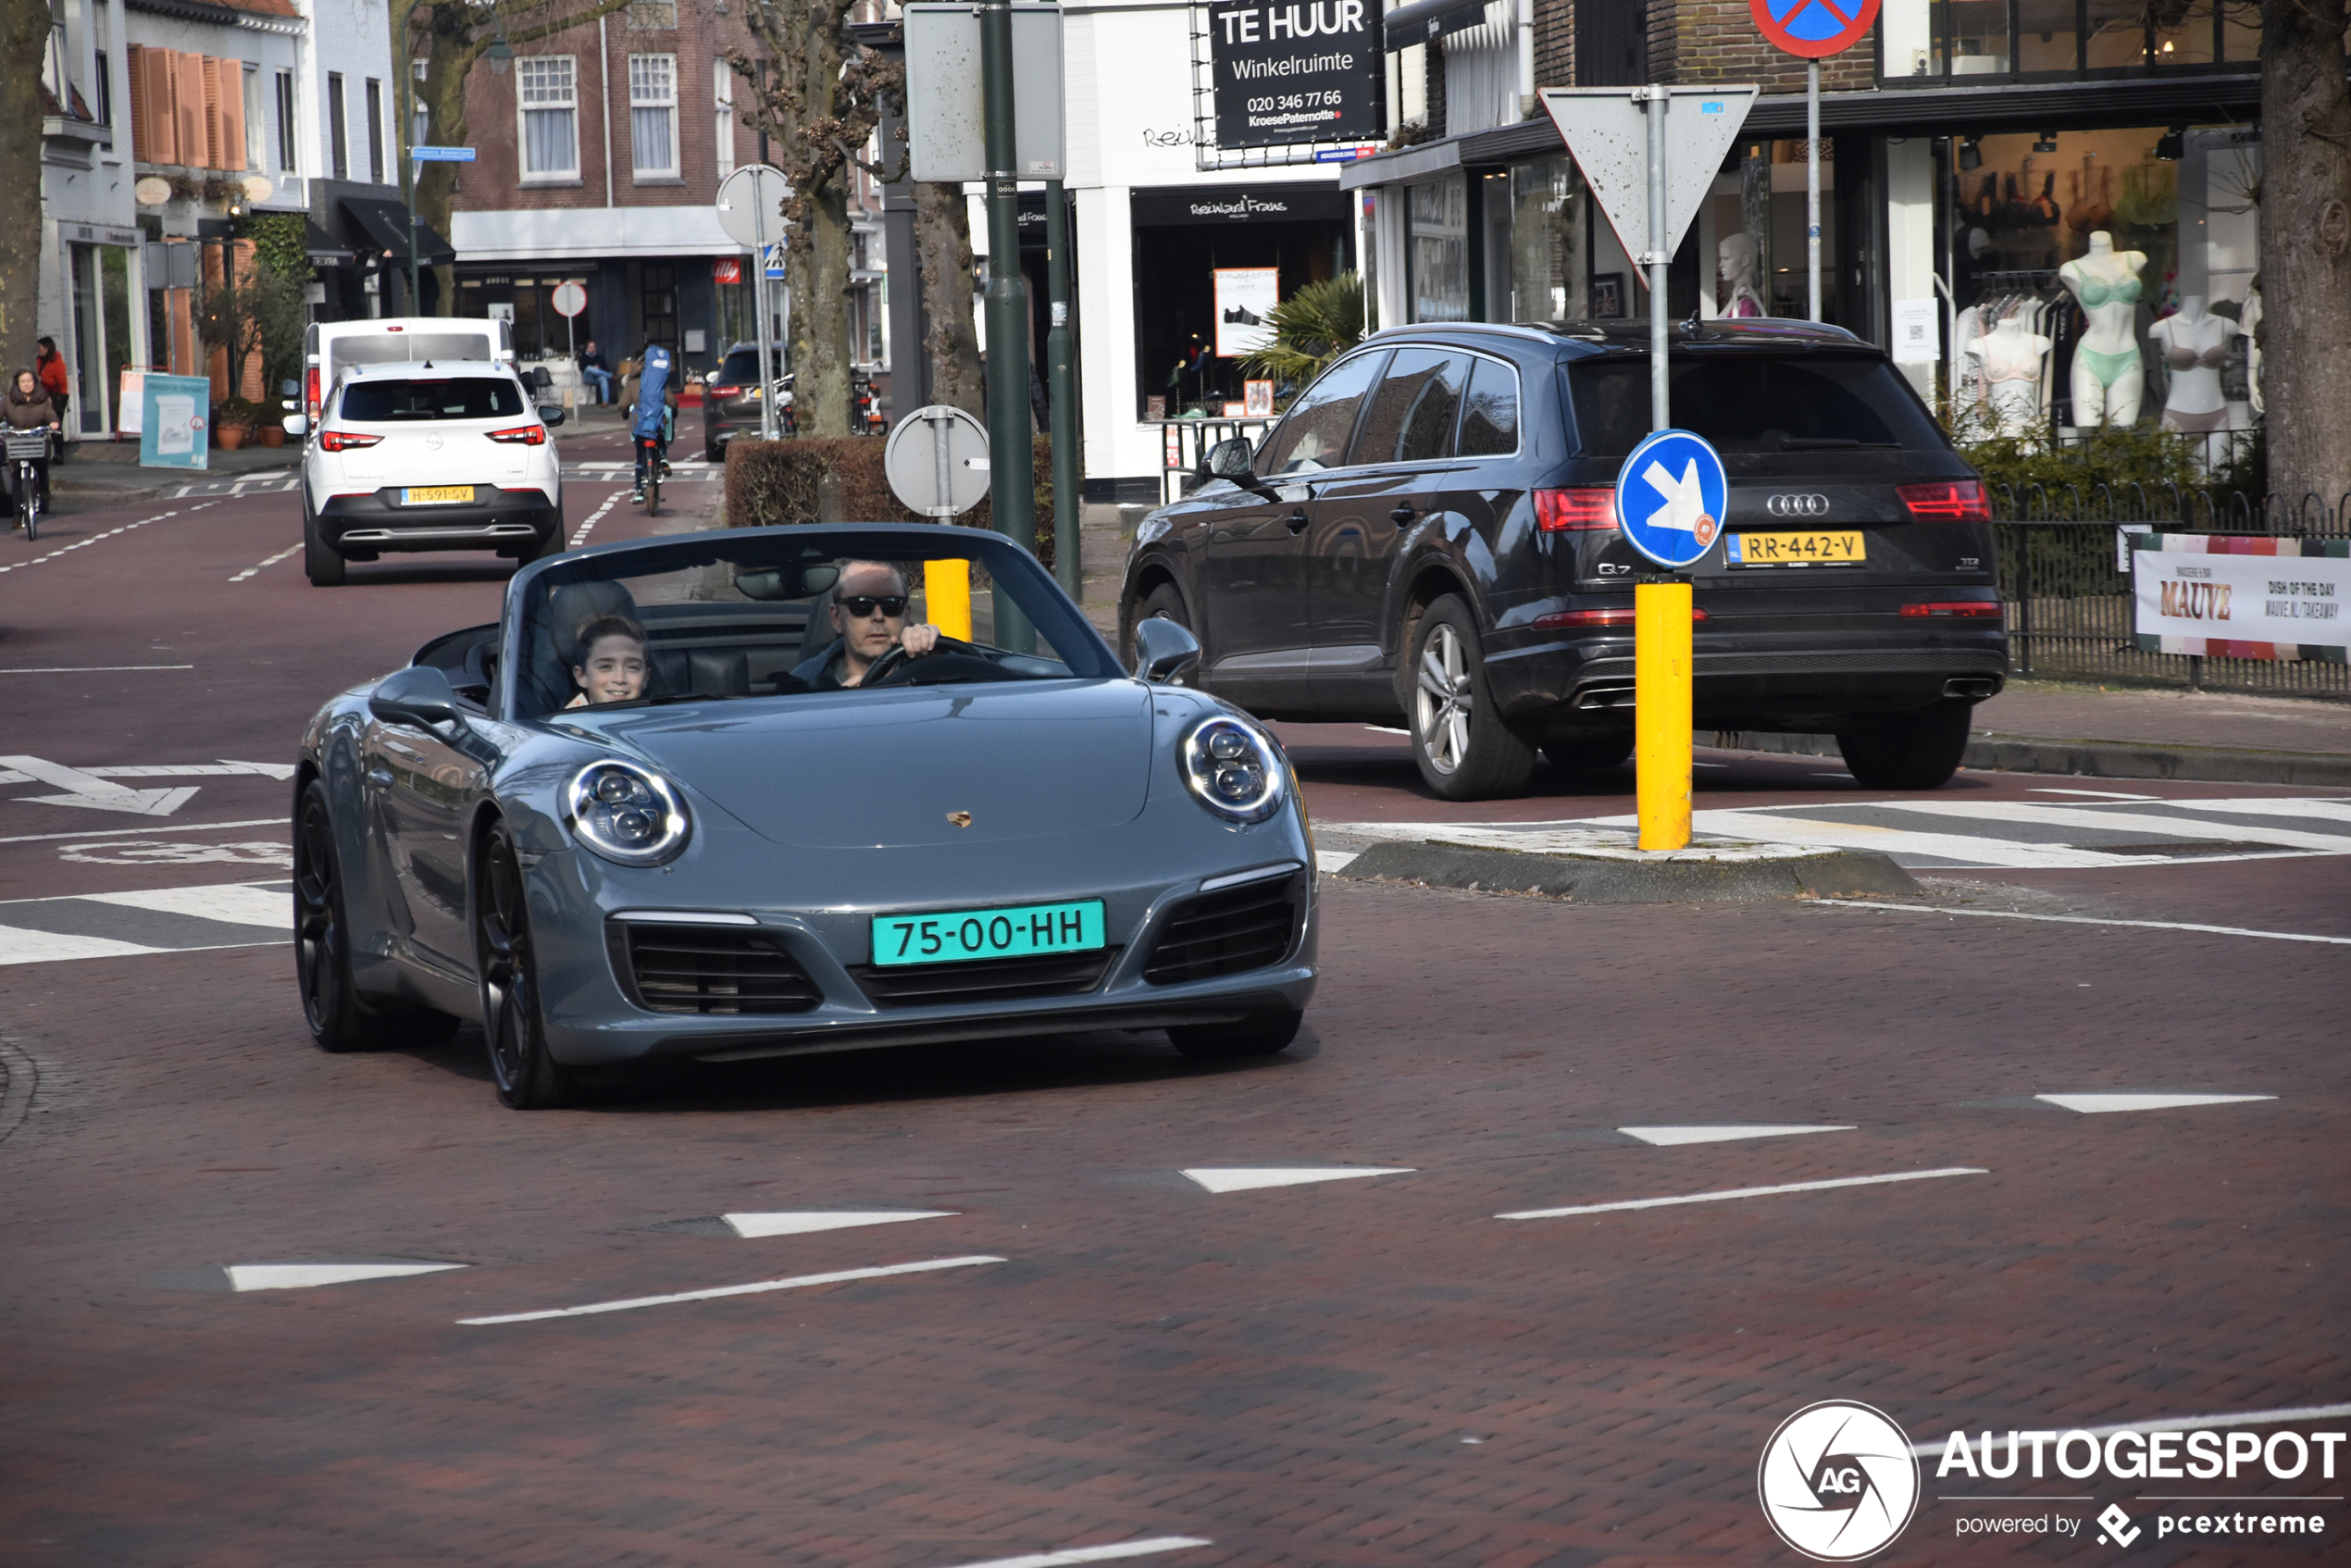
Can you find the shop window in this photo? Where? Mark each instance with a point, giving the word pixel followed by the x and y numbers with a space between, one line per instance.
pixel 1978 32
pixel 1437 245
pixel 1547 207
pixel 547 92
pixel 722 98
pixel 2186 32
pixel 653 114
pixel 658 298
pixel 375 132
pixel 285 104
pixel 2048 36
pixel 2118 34
pixel 338 131
pixel 2240 33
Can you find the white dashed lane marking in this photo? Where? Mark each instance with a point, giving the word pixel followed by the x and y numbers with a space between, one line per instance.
pixel 1241 1178
pixel 797 1282
pixel 1725 1195
pixel 304 1277
pixel 807 1222
pixel 580 535
pixel 254 571
pixel 2082 920
pixel 97 538
pixel 2107 1103
pixel 1069 1557
pixel 1672 1138
pixel 150 921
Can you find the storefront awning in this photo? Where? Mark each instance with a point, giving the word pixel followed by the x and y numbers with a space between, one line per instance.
pixel 322 247
pixel 1424 21
pixel 385 224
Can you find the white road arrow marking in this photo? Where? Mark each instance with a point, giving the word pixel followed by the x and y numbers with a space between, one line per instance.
pixel 1685 497
pixel 221 769
pixel 95 794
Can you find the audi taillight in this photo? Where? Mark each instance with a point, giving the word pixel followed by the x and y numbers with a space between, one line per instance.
pixel 310 391
pixel 1955 609
pixel 1598 618
pixel 1571 511
pixel 1947 501
pixel 345 440
pixel 521 435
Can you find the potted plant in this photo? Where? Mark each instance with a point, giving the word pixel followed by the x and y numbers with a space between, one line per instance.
pixel 232 422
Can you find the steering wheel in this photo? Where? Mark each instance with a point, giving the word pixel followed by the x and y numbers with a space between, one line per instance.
pixel 893 669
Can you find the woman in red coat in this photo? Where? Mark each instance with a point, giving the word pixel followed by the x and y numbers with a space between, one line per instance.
pixel 51 367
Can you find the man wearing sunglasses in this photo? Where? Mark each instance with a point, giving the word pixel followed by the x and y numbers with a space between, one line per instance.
pixel 869 619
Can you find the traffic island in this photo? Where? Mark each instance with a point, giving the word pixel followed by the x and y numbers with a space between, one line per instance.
pixel 1610 870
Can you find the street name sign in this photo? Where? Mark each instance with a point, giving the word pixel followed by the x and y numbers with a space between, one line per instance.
pixel 441 155
pixel 1671 498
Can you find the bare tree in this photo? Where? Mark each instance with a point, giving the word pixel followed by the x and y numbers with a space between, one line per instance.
pixel 24 37
pixel 2306 249
pixel 819 108
pixel 951 336
pixel 451 36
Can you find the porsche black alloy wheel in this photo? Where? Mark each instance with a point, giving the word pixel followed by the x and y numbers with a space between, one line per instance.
pixel 1920 751
pixel 1465 750
pixel 1260 1034
pixel 322 952
pixel 528 1078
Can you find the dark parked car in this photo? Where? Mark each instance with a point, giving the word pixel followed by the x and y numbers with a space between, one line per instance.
pixel 1430 535
pixel 730 398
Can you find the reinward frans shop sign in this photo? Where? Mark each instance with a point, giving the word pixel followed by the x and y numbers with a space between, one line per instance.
pixel 1292 74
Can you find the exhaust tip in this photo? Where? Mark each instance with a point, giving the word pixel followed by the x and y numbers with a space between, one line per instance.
pixel 1598 699
pixel 1974 687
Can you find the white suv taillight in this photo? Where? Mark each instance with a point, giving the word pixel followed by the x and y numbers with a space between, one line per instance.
pixel 345 440
pixel 521 435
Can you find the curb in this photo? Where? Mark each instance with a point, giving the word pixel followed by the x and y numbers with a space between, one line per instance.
pixel 2092 759
pixel 1596 880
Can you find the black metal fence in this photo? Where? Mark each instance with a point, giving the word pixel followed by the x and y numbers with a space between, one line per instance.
pixel 2065 575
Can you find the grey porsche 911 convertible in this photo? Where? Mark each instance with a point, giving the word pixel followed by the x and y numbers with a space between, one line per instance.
pixel 727 795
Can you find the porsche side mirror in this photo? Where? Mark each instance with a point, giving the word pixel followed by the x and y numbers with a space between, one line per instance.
pixel 1164 651
pixel 296 425
pixel 551 415
pixel 1230 459
pixel 419 695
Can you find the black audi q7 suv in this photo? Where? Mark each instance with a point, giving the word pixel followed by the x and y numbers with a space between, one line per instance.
pixel 1430 534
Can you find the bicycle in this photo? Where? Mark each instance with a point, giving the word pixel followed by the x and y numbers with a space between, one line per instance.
pixel 654 466
pixel 27 450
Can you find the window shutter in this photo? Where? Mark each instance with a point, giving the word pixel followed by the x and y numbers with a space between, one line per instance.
pixel 187 86
pixel 233 114
pixel 142 140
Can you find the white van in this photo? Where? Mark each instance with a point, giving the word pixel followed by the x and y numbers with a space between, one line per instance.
pixel 331 347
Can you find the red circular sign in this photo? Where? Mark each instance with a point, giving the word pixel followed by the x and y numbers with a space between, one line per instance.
pixel 1813 28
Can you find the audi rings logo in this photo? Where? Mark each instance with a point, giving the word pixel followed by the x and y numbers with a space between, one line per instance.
pixel 1837 1481
pixel 1797 506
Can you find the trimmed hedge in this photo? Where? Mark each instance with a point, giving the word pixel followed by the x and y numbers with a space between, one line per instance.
pixel 770 483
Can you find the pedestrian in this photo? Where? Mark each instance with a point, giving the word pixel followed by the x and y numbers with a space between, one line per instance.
pixel 27 406
pixel 595 372
pixel 51 366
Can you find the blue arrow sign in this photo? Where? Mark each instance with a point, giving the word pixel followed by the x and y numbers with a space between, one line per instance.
pixel 1670 497
pixel 441 155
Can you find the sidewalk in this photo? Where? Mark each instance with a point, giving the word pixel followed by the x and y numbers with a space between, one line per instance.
pixel 108 472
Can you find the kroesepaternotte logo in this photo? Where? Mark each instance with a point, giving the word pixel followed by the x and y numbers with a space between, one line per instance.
pixel 1837 1481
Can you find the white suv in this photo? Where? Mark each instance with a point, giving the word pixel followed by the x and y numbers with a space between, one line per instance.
pixel 428 456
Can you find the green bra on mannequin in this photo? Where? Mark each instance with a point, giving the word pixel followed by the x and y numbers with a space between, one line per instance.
pixel 2092 292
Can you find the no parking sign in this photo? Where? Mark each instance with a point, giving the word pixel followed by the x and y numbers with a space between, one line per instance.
pixel 1813 30
pixel 1671 498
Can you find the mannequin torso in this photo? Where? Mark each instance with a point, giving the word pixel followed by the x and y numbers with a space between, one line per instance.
pixel 2109 376
pixel 2012 365
pixel 2194 344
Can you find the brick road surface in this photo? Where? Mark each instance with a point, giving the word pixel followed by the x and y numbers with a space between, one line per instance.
pixel 1289 1373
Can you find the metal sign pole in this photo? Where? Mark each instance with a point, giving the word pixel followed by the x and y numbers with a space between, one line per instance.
pixel 1660 411
pixel 1061 387
pixel 1662 674
pixel 766 365
pixel 1009 483
pixel 1813 182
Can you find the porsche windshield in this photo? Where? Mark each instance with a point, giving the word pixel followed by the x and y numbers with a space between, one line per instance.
pixel 815 611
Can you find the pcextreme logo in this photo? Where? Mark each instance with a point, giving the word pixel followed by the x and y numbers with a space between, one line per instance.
pixel 1837 1481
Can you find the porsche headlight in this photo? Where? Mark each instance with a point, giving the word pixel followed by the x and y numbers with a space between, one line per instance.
pixel 627 814
pixel 1235 770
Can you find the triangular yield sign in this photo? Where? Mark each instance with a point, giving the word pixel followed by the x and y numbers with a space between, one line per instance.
pixel 1607 134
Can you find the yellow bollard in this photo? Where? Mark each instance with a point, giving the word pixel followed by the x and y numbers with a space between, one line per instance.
pixel 1662 712
pixel 947 591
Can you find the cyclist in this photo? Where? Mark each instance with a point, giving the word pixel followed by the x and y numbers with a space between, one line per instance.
pixel 27 406
pixel 650 421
